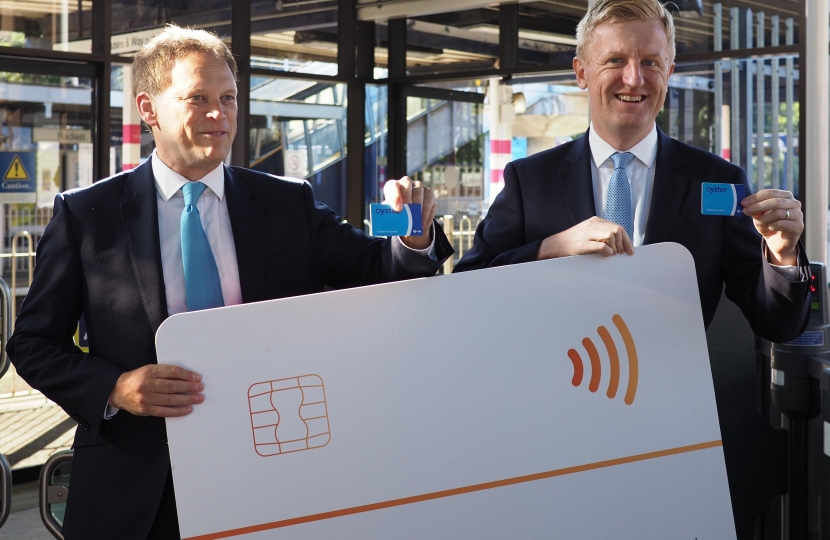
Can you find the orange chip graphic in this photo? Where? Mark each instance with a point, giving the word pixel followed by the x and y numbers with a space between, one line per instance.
pixel 288 415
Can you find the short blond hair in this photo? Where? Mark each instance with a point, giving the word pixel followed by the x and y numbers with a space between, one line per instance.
pixel 154 62
pixel 611 11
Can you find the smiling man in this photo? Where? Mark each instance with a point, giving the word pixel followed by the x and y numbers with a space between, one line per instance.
pixel 179 233
pixel 626 184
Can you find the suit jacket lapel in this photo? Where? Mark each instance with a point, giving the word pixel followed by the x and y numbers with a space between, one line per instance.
pixel 576 183
pixel 668 192
pixel 248 235
pixel 139 213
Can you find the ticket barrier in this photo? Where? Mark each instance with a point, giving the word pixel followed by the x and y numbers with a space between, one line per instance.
pixel 5 469
pixel 800 390
pixel 54 491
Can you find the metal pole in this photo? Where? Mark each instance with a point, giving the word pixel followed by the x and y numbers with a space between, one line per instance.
pixel 759 36
pixel 816 78
pixel 735 97
pixel 789 177
pixel 718 116
pixel 774 106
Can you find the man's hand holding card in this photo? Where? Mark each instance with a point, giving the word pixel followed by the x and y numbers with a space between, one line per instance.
pixel 397 193
pixel 778 218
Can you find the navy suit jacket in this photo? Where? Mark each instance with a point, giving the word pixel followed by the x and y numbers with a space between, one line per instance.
pixel 100 255
pixel 552 191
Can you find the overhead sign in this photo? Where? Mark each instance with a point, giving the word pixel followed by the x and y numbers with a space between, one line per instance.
pixel 119 44
pixel 572 398
pixel 17 185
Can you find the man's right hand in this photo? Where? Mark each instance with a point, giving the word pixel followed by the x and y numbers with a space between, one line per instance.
pixel 594 235
pixel 158 390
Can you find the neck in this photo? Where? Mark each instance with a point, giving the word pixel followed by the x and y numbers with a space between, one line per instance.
pixel 622 141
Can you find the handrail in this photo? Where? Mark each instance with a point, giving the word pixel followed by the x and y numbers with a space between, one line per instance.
pixel 6 312
pixel 5 489
pixel 27 236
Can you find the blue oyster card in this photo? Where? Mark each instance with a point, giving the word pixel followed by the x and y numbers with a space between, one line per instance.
pixel 386 222
pixel 722 199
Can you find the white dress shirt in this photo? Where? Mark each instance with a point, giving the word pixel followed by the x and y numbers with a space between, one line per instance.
pixel 213 211
pixel 640 174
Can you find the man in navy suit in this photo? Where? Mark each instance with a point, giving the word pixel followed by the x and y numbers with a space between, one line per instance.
pixel 113 251
pixel 556 203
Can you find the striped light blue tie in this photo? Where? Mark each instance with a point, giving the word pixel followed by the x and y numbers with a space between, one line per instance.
pixel 618 201
pixel 201 277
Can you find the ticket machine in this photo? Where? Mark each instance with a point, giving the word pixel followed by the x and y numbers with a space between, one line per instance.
pixel 800 390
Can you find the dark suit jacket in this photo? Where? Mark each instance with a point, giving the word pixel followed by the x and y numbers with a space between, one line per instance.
pixel 100 256
pixel 552 191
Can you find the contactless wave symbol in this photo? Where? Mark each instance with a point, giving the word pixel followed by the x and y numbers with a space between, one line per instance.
pixel 614 361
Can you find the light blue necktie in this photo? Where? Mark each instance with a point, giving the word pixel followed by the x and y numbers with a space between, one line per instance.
pixel 201 277
pixel 618 201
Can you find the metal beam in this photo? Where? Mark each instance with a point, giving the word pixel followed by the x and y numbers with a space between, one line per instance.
pixel 509 36
pixel 101 108
pixel 443 94
pixel 241 45
pixel 396 138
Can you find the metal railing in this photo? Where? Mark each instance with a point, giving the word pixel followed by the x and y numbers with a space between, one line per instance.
pixel 30 255
pixel 460 238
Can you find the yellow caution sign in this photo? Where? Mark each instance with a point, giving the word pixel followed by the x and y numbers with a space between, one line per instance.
pixel 16 170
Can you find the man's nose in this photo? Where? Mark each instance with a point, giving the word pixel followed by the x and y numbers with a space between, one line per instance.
pixel 632 76
pixel 216 109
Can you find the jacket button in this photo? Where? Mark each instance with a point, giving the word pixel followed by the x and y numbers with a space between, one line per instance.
pixel 164 438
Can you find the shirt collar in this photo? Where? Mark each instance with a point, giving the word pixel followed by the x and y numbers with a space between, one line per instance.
pixel 169 182
pixel 645 150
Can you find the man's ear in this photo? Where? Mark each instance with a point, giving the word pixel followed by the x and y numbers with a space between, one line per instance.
pixel 579 70
pixel 146 109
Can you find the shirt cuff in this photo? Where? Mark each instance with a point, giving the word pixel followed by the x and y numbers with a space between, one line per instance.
pixel 426 252
pixel 110 411
pixel 789 272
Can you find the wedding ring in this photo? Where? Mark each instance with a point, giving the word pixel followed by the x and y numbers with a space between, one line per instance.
pixel 788 215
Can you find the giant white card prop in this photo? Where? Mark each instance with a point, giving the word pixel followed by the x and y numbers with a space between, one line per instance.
pixel 560 399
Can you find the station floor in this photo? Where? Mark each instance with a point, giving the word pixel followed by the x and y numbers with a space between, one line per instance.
pixel 24 521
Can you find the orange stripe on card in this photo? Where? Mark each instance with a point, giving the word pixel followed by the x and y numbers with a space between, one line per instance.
pixel 457 491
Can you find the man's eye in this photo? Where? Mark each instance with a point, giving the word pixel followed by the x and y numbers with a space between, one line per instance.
pixel 229 98
pixel 198 98
pixel 615 61
pixel 649 63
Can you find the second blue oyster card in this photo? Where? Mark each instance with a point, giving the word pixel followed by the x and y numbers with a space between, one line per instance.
pixel 722 199
pixel 386 222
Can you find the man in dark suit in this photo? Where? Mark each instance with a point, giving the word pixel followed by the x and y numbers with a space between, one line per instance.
pixel 625 184
pixel 118 253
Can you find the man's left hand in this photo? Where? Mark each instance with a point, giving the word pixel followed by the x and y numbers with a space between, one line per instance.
pixel 777 216
pixel 406 191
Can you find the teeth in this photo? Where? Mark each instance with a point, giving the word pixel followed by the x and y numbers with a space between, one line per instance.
pixel 631 98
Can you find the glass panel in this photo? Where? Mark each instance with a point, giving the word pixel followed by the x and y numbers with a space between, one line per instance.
pixel 298 130
pixel 47 24
pixel 446 150
pixel 134 22
pixel 294 36
pixel 46 146
pixel 130 142
pixel 60 477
